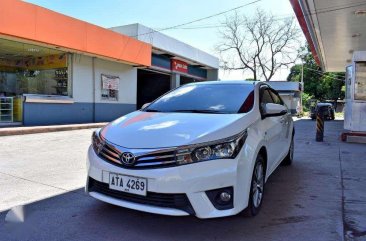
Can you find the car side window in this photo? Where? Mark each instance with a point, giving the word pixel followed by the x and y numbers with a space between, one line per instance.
pixel 265 98
pixel 276 98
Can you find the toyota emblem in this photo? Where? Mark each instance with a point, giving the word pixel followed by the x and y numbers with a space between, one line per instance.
pixel 128 159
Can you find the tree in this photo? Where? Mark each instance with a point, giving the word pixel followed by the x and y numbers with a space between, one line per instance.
pixel 318 85
pixel 260 45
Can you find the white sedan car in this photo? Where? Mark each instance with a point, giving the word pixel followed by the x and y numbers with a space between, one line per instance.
pixel 203 149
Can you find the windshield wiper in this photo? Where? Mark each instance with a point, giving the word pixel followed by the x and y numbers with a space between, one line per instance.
pixel 200 111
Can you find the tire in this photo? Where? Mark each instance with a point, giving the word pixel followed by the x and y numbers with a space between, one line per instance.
pixel 256 188
pixel 287 161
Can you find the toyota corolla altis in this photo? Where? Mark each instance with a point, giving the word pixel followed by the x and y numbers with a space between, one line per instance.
pixel 203 149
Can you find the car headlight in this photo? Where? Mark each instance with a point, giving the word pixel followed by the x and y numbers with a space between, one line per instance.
pixel 97 141
pixel 227 148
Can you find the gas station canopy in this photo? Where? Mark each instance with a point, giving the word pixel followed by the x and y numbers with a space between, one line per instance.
pixel 334 30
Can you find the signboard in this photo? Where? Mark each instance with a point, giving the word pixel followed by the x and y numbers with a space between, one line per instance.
pixel 43 62
pixel 110 82
pixel 179 66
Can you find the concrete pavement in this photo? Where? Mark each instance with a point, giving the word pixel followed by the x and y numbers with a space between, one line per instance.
pixel 37 166
pixel 320 197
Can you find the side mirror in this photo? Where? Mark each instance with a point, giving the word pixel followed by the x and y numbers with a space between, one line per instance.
pixel 145 105
pixel 272 109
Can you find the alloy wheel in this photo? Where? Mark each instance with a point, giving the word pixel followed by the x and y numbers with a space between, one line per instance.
pixel 258 184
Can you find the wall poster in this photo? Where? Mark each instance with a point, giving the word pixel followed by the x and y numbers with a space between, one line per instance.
pixel 110 86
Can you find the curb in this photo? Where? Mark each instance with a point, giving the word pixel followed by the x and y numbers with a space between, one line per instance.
pixel 10 131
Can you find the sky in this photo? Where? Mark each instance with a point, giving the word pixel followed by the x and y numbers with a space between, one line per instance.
pixel 159 14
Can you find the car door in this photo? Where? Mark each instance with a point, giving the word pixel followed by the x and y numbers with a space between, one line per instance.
pixel 272 128
pixel 285 120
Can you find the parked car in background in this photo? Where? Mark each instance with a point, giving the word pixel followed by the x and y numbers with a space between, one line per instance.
pixel 203 149
pixel 328 111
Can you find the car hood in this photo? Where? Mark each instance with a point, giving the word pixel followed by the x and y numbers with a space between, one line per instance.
pixel 158 130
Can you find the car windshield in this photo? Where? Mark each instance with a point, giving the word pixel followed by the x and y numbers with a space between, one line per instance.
pixel 206 98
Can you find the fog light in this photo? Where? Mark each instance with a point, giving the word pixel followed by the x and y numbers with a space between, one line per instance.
pixel 222 198
pixel 225 196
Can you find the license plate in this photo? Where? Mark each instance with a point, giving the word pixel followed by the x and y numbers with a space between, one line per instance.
pixel 135 185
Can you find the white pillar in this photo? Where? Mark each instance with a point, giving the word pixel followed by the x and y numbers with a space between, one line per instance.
pixel 174 81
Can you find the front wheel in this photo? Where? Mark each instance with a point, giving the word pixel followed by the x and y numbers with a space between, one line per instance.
pixel 256 188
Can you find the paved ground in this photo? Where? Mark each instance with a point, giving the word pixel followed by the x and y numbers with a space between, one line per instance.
pixel 321 197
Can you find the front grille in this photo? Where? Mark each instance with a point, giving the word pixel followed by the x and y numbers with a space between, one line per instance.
pixel 145 160
pixel 176 201
pixel 110 154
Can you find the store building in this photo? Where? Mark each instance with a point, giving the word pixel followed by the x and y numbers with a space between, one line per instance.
pixel 290 93
pixel 173 63
pixel 55 69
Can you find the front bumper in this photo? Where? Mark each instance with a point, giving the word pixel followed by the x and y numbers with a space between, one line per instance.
pixel 192 180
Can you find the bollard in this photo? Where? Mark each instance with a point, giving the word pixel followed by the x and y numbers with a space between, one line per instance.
pixel 319 125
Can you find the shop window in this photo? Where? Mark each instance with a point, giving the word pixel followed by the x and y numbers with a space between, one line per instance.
pixel 360 83
pixel 44 79
pixel 31 69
